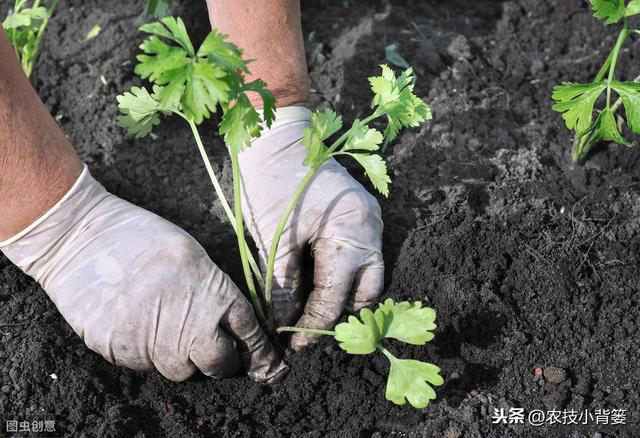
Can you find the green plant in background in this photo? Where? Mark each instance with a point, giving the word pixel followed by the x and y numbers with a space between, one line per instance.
pixel 576 101
pixel 194 84
pixel 25 27
pixel 406 322
pixel 156 9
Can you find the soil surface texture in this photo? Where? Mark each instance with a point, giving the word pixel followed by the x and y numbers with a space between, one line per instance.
pixel 532 263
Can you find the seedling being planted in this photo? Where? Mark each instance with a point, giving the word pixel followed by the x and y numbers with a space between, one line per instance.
pixel 25 27
pixel 406 322
pixel 193 85
pixel 577 101
pixel 394 102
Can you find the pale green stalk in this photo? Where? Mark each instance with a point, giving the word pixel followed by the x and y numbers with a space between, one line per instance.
pixel 222 197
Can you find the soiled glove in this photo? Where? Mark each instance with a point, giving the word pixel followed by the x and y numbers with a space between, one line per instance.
pixel 336 216
pixel 139 290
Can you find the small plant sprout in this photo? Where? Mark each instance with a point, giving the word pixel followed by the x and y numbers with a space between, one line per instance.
pixel 193 84
pixel 576 101
pixel 394 101
pixel 25 27
pixel 406 322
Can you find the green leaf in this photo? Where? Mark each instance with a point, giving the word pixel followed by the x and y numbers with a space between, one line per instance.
pixel 393 97
pixel 376 170
pixel 240 124
pixel 205 88
pixel 606 129
pixel 26 18
pixel 361 137
pixel 407 322
pixel 156 8
pixel 173 29
pixel 324 123
pixel 610 10
pixel 199 81
pixel 222 53
pixel 633 8
pixel 575 102
pixel 268 100
pixel 359 337
pixel 629 92
pixel 140 111
pixel 409 381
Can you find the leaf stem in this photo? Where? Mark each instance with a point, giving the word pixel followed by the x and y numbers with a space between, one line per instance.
pixel 280 229
pixel 306 330
pixel 242 244
pixel 221 196
pixel 582 145
pixel 624 33
pixel 386 352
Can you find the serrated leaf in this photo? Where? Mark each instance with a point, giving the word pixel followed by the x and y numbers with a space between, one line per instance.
pixel 407 322
pixel 629 92
pixel 575 102
pixel 199 82
pixel 359 337
pixel 240 124
pixel 376 170
pixel 606 129
pixel 361 137
pixel 205 88
pixel 172 29
pixel 140 111
pixel 26 18
pixel 268 100
pixel 222 53
pixel 409 381
pixel 610 10
pixel 324 123
pixel 393 97
pixel 633 8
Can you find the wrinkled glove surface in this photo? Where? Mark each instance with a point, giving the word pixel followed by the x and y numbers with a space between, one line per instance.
pixel 139 290
pixel 336 216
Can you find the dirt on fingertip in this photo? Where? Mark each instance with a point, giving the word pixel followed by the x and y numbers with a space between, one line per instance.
pixel 532 263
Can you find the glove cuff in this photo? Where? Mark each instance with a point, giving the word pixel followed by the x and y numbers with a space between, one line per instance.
pixel 33 247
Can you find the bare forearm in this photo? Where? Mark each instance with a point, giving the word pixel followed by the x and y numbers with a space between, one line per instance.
pixel 37 163
pixel 270 33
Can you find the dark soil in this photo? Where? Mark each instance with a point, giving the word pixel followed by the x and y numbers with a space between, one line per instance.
pixel 530 262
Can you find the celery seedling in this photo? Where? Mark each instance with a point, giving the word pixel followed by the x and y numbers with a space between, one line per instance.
pixel 193 84
pixel 406 322
pixel 576 101
pixel 393 100
pixel 25 27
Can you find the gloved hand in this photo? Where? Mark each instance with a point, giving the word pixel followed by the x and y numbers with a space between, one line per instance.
pixel 139 290
pixel 336 216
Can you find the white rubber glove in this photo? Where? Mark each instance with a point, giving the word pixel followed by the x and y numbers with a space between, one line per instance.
pixel 139 290
pixel 336 216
